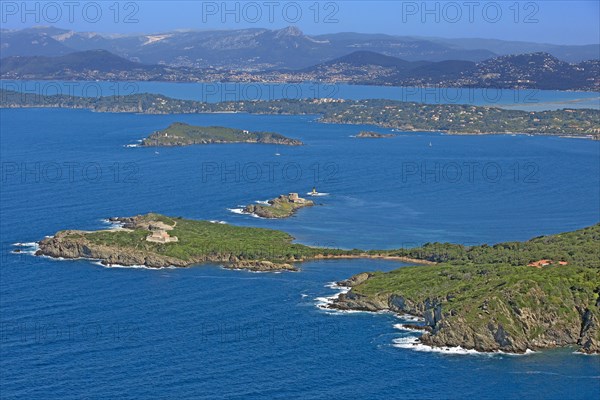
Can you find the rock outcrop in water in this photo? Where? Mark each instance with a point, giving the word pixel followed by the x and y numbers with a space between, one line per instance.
pixel 373 135
pixel 281 207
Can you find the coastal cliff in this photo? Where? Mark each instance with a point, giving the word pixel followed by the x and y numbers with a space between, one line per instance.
pixel 497 324
pixel 493 307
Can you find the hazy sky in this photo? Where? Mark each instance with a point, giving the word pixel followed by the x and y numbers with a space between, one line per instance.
pixel 551 21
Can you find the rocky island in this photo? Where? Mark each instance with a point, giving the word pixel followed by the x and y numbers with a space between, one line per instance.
pixel 181 134
pixel 373 135
pixel 280 207
pixel 510 297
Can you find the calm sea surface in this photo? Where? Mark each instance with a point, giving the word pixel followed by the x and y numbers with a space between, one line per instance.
pixel 75 329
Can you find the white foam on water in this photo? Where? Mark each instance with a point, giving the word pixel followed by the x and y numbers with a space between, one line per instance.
pixel 317 194
pixel 324 302
pixel 402 327
pixel 26 244
pixel 113 224
pixel 264 202
pixel 132 145
pixel 130 266
pixel 581 353
pixel 60 258
pixel 242 212
pixel 413 343
pixel 410 318
pixel 336 286
pixel 29 248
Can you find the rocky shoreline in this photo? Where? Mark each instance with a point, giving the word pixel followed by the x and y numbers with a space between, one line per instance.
pixel 151 235
pixel 465 301
pixel 72 245
pixel 442 329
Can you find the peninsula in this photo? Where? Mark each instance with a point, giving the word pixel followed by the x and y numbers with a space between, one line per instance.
pixel 280 207
pixel 403 116
pixel 181 134
pixel 509 297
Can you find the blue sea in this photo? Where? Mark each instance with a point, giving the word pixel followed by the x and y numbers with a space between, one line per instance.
pixel 76 329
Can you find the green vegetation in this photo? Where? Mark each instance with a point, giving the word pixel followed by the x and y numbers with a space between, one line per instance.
pixel 197 242
pixel 198 238
pixel 180 134
pixel 406 116
pixel 480 297
pixel 480 291
pixel 580 247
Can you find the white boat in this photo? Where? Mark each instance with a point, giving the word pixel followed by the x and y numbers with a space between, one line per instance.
pixel 316 194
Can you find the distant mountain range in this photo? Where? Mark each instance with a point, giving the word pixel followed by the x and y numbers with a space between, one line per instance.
pixel 535 70
pixel 90 64
pixel 264 49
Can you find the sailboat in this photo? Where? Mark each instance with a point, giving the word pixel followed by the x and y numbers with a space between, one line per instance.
pixel 430 145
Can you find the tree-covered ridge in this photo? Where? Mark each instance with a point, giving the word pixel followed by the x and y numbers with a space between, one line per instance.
pixel 581 247
pixel 406 116
pixel 488 298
